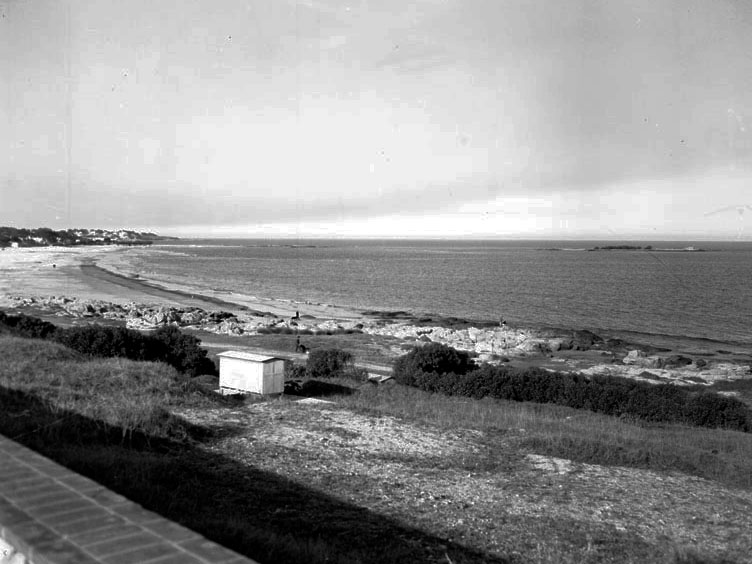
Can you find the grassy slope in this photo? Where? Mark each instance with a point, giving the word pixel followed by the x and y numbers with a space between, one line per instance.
pixel 723 456
pixel 110 419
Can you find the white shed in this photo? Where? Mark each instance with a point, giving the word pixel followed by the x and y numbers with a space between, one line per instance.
pixel 249 372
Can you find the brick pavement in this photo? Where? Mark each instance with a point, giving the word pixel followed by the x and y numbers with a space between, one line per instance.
pixel 51 515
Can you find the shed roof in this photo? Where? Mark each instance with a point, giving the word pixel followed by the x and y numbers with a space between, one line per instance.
pixel 248 356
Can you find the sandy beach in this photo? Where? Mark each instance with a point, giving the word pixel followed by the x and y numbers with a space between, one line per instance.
pixel 68 282
pixel 74 272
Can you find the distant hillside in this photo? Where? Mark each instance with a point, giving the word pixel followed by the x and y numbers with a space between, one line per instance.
pixel 44 236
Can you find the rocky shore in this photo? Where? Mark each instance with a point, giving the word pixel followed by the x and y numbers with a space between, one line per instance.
pixel 563 350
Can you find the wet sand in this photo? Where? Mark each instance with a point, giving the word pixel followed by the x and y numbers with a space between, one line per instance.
pixel 94 275
pixel 74 272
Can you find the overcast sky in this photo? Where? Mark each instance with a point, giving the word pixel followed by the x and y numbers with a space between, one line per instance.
pixel 538 118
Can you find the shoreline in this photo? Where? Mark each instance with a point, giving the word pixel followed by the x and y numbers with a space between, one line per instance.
pixel 84 289
pixel 94 271
pixel 225 298
pixel 289 306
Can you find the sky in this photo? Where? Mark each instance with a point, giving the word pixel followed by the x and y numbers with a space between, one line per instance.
pixel 379 118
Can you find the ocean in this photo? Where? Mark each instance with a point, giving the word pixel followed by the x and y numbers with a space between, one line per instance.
pixel 702 296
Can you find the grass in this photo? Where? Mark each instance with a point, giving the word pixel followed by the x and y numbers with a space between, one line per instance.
pixel 365 348
pixel 111 420
pixel 132 396
pixel 714 454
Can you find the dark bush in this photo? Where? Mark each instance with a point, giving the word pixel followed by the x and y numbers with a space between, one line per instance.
pixel 329 363
pixel 712 410
pixel 26 326
pixel 295 372
pixel 601 394
pixel 183 351
pixel 431 358
pixel 102 341
pixel 167 344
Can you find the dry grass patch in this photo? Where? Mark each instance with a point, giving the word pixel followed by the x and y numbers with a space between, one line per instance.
pixel 714 454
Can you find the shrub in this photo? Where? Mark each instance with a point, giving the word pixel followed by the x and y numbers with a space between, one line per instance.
pixel 102 341
pixel 432 358
pixel 712 410
pixel 601 394
pixel 183 351
pixel 26 326
pixel 167 344
pixel 294 372
pixel 329 363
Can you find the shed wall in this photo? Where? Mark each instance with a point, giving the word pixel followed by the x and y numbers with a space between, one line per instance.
pixel 274 377
pixel 250 376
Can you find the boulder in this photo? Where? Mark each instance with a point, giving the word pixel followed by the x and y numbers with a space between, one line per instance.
pixel 633 356
pixel 329 325
pixel 475 334
pixel 534 346
pixel 560 344
pixel 220 316
pixel 194 317
pixel 80 309
pixel 675 361
pixel 639 358
pixel 584 340
pixel 139 323
pixel 649 376
pixel 229 328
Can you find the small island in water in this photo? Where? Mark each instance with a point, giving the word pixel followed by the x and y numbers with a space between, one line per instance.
pixel 646 248
pixel 46 237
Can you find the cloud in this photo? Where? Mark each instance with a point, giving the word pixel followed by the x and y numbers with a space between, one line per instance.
pixel 412 56
pixel 332 111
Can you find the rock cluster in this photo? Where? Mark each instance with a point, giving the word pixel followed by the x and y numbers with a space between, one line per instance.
pixel 146 317
pixel 697 373
pixel 488 342
pixel 505 340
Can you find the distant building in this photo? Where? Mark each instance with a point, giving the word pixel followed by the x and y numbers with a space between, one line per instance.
pixel 254 373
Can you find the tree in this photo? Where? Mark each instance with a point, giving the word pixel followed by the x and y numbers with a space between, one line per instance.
pixel 432 358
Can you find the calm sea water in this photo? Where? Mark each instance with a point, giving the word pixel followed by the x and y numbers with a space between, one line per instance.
pixel 706 295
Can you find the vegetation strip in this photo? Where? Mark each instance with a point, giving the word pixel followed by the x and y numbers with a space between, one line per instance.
pixel 438 368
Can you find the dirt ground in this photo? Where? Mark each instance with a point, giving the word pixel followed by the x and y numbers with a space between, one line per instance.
pixel 480 490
